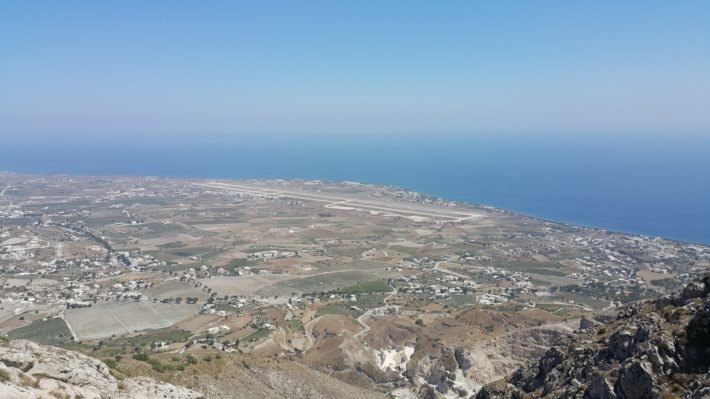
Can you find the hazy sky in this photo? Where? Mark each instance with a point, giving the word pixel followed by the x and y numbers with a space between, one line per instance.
pixel 155 68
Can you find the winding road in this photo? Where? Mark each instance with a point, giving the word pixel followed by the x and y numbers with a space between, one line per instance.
pixel 368 314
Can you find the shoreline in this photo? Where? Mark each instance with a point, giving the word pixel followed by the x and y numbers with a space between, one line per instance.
pixel 390 186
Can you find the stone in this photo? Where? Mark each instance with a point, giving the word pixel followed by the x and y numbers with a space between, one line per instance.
pixel 463 362
pixel 550 360
pixel 636 381
pixel 588 324
pixel 693 290
pixel 621 344
pixel 599 388
pixel 37 371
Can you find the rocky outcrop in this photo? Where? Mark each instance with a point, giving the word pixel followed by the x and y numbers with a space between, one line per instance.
pixel 30 370
pixel 588 324
pixel 656 349
pixel 463 361
pixel 599 388
pixel 636 381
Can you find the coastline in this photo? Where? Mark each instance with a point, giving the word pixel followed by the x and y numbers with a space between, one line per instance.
pixel 512 212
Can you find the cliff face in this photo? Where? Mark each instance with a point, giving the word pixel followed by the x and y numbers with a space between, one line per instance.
pixel 29 370
pixel 656 349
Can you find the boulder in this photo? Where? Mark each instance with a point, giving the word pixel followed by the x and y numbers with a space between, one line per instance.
pixel 636 381
pixel 599 388
pixel 463 362
pixel 694 290
pixel 627 312
pixel 620 344
pixel 551 359
pixel 588 324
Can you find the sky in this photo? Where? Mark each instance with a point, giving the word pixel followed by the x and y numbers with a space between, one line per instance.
pixel 131 69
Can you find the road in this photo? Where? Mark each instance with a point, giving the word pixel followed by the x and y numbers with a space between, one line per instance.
pixel 447 271
pixel 309 331
pixel 368 314
pixel 365 328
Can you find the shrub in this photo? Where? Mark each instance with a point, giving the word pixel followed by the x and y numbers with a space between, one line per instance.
pixel 156 365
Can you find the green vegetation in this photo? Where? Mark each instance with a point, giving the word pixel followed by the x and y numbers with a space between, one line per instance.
pixel 320 283
pixel 168 335
pixel 545 272
pixel 256 335
pixel 367 287
pixel 367 301
pixel 143 357
pixel 364 301
pixel 52 331
pixel 336 308
pixel 294 325
pixel 154 363
pixel 159 367
pixel 190 251
pixel 235 264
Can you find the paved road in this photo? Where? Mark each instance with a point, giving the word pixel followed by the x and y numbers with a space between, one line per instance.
pixel 447 271
pixel 392 207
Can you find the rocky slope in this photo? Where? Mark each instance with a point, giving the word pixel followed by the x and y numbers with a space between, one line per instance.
pixel 656 349
pixel 29 370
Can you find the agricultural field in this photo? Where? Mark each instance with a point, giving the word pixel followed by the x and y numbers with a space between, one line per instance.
pixel 323 282
pixel 119 318
pixel 52 331
pixel 174 289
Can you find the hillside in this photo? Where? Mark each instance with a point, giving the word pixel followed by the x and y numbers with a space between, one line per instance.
pixel 29 370
pixel 654 349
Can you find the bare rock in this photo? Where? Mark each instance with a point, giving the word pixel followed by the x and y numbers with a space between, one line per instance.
pixel 599 388
pixel 148 388
pixel 636 381
pixel 463 361
pixel 621 344
pixel 29 370
pixel 693 290
pixel 550 360
pixel 588 324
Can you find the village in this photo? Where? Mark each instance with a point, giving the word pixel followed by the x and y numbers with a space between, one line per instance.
pixel 293 269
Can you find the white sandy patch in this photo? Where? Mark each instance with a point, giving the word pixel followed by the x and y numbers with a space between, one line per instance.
pixel 394 359
pixel 462 382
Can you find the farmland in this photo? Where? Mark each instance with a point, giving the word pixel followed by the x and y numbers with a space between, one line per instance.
pixel 108 319
pixel 51 331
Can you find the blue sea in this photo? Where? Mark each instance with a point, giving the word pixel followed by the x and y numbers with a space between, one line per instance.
pixel 657 185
